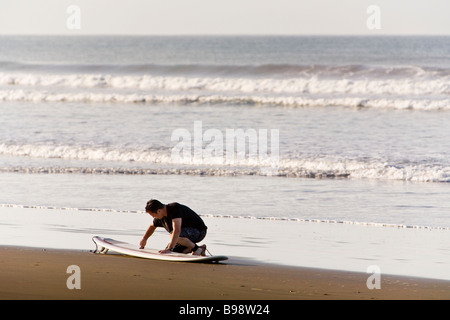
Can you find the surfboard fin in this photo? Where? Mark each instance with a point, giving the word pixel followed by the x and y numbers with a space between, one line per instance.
pixel 103 250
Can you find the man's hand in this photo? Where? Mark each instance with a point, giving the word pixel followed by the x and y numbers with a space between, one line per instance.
pixel 165 251
pixel 142 243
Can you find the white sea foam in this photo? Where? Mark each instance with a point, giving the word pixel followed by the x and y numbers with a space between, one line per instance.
pixel 83 153
pixel 309 85
pixel 380 89
pixel 159 161
pixel 281 101
pixel 359 169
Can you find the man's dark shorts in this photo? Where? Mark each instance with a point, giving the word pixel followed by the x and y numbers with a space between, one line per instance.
pixel 192 234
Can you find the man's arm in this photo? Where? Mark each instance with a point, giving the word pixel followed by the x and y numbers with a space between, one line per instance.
pixel 176 224
pixel 147 235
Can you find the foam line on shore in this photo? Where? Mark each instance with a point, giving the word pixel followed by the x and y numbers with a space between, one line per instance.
pixel 348 222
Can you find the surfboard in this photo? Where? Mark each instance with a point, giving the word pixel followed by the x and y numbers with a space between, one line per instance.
pixel 129 249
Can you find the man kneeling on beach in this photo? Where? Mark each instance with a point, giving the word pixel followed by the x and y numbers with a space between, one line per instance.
pixel 184 225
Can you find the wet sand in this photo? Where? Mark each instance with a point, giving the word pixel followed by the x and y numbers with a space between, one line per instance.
pixel 34 273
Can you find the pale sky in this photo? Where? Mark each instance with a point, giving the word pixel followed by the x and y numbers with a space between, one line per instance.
pixel 262 17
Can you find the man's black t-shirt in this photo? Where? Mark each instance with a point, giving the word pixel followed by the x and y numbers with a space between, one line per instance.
pixel 188 218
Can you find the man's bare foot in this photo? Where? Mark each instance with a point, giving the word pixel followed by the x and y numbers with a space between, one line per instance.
pixel 200 251
pixel 203 247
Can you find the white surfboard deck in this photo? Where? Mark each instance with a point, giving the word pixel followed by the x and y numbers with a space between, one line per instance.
pixel 133 250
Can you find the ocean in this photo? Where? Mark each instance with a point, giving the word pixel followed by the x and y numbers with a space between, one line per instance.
pixel 305 131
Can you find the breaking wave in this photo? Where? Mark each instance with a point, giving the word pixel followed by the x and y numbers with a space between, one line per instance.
pixel 159 161
pixel 213 99
pixel 272 85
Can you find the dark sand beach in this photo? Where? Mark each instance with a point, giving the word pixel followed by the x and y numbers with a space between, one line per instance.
pixel 34 273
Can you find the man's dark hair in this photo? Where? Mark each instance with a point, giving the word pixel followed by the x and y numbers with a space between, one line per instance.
pixel 153 205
